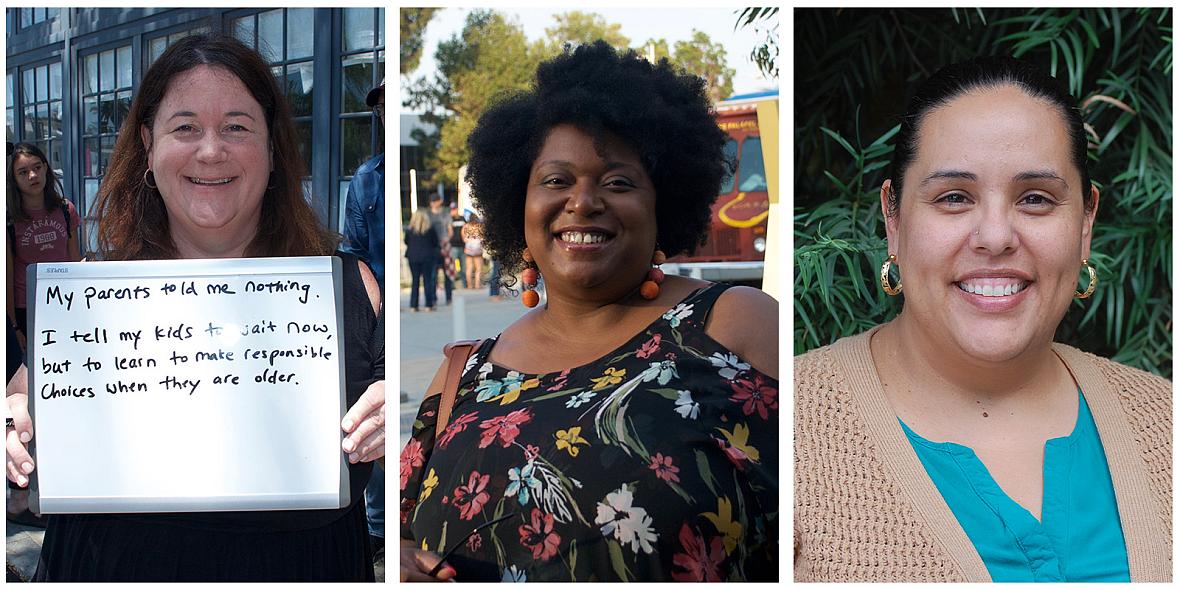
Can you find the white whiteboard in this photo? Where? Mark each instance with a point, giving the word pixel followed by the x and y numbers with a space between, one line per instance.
pixel 132 388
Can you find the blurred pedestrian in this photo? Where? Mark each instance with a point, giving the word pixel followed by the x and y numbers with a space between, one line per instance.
pixel 423 254
pixel 457 223
pixel 364 236
pixel 494 282
pixel 473 251
pixel 440 219
pixel 42 226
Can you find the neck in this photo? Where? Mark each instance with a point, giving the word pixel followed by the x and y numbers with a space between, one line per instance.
pixel 937 366
pixel 210 246
pixel 33 201
pixel 580 314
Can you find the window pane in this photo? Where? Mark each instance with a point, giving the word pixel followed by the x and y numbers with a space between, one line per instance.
pixel 753 171
pixel 108 146
pixel 299 83
pixel 156 48
pixel 10 124
pixel 90 115
pixel 26 17
pixel 29 85
pixel 30 123
pixel 270 35
pixel 9 81
pixel 106 113
pixel 43 83
pixel 381 26
pixel 303 136
pixel 43 121
pixel 55 81
pixel 244 30
pixel 300 33
pixel 39 16
pixel 125 67
pixel 55 119
pixel 90 85
pixel 122 107
pixel 55 159
pixel 106 70
pixel 52 13
pixel 90 159
pixel 358 80
pixel 358 28
pixel 356 143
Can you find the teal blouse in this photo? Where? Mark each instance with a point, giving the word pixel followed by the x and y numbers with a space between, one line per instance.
pixel 1079 538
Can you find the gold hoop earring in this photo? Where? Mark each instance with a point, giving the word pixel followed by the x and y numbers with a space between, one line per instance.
pixel 889 289
pixel 1093 280
pixel 146 174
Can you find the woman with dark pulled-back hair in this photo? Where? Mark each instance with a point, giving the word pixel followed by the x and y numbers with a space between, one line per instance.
pixel 207 166
pixel 958 442
pixel 627 428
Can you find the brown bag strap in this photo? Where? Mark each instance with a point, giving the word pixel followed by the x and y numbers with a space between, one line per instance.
pixel 457 353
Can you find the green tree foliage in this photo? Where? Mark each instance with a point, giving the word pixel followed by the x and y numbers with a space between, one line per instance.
pixel 765 23
pixel 854 71
pixel 582 28
pixel 413 26
pixel 701 57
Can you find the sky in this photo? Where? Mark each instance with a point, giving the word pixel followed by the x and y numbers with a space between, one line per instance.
pixel 638 24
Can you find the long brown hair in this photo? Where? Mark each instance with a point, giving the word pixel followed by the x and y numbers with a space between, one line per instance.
pixel 132 220
pixel 16 204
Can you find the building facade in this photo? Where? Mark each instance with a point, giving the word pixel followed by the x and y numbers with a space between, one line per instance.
pixel 71 74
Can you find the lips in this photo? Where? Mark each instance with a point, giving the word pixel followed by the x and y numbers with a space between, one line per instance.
pixel 583 236
pixel 209 181
pixel 993 287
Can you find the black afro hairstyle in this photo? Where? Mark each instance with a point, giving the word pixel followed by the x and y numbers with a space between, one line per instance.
pixel 663 114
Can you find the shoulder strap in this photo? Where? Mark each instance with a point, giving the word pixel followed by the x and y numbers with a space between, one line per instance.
pixel 457 354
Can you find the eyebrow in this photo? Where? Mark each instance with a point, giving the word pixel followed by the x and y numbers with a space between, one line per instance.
pixel 609 165
pixel 1021 177
pixel 229 114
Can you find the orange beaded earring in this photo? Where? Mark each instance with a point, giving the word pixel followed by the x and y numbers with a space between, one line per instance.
pixel 650 289
pixel 530 297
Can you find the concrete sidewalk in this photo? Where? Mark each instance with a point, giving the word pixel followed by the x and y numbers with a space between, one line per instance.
pixel 472 314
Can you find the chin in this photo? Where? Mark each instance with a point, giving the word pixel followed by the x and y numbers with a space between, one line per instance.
pixel 995 344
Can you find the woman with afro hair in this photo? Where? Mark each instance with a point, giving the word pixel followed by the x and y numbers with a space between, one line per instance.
pixel 626 429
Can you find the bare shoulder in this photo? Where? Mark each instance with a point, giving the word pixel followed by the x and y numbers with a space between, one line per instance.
pixel 372 289
pixel 745 320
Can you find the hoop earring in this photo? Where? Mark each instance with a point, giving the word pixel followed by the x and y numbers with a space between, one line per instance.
pixel 148 174
pixel 530 298
pixel 889 289
pixel 650 289
pixel 1093 280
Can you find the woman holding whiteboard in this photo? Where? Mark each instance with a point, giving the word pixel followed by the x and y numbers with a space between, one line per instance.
pixel 207 166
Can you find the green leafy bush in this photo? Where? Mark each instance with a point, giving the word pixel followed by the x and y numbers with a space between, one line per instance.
pixel 854 71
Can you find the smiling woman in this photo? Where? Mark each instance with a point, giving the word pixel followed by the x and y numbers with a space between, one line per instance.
pixel 1000 454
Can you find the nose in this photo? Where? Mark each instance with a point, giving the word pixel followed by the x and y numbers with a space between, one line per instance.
pixel 584 200
pixel 211 148
pixel 994 232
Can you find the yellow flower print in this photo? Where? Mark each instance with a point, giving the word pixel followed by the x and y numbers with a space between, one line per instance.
pixel 725 524
pixel 514 391
pixel 739 443
pixel 428 485
pixel 566 439
pixel 611 376
pixel 424 548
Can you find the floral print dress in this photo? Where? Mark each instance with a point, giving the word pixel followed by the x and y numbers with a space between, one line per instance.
pixel 655 462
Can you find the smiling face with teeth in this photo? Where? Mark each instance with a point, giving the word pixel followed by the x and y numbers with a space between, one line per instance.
pixel 590 215
pixel 992 227
pixel 209 152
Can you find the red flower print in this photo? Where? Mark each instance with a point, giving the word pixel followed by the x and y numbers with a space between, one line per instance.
pixel 471 497
pixel 754 395
pixel 504 427
pixel 454 428
pixel 664 469
pixel 411 457
pixel 407 506
pixel 531 452
pixel 560 382
pixel 700 563
pixel 649 348
pixel 474 542
pixel 538 535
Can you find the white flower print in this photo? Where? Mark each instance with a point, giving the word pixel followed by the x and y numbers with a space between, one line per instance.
pixel 511 574
pixel 729 363
pixel 630 525
pixel 581 398
pixel 685 406
pixel 484 370
pixel 662 372
pixel 674 315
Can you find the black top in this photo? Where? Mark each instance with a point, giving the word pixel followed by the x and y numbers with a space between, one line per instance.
pixel 422 247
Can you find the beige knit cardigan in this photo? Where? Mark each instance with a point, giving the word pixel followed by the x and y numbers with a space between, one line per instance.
pixel 865 510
